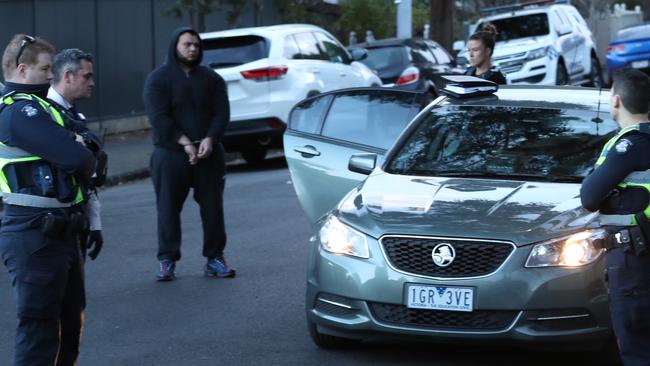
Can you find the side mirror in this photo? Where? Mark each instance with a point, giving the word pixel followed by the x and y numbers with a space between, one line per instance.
pixel 458 46
pixel 563 30
pixel 362 163
pixel 358 53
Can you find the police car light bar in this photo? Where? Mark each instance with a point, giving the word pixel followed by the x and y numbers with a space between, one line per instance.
pixel 464 86
pixel 514 7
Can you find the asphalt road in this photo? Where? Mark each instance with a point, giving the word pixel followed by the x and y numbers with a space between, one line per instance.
pixel 255 319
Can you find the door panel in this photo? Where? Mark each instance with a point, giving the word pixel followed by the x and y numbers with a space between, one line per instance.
pixel 324 132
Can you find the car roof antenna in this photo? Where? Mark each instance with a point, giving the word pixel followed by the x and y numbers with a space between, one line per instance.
pixel 597 119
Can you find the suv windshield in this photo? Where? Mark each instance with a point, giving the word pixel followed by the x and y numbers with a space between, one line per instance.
pixel 532 25
pixel 383 58
pixel 233 51
pixel 503 141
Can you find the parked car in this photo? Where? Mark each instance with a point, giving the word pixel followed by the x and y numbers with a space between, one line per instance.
pixel 268 70
pixel 468 229
pixel 409 63
pixel 543 43
pixel 631 48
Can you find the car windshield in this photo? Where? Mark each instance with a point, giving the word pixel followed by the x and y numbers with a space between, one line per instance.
pixel 233 51
pixel 532 25
pixel 502 141
pixel 383 58
pixel 634 33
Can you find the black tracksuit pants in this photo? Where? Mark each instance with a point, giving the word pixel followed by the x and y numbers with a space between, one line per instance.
pixel 172 177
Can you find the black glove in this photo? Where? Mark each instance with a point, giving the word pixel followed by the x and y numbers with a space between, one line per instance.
pixel 95 241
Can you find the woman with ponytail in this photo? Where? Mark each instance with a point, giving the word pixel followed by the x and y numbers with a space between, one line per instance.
pixel 481 47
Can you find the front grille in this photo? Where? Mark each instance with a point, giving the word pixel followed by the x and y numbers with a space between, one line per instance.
pixel 446 320
pixel 473 258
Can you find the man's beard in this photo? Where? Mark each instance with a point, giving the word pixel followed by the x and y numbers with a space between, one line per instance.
pixel 185 61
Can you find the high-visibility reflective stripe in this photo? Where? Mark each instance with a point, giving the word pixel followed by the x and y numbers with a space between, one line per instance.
pixel 642 177
pixel 20 199
pixel 10 152
pixel 617 220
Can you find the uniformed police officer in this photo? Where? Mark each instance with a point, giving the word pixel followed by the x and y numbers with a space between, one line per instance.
pixel 41 166
pixel 619 188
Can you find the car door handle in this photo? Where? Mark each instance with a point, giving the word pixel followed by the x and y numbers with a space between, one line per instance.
pixel 315 71
pixel 342 74
pixel 307 151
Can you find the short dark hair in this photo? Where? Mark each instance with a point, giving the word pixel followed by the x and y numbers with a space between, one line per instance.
pixel 23 48
pixel 68 59
pixel 633 86
pixel 486 35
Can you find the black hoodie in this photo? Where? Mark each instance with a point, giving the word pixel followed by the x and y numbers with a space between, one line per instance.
pixel 193 104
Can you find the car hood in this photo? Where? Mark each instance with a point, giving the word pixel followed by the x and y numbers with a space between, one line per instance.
pixel 521 212
pixel 519 45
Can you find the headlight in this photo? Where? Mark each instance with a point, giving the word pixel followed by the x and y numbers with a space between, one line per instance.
pixel 536 53
pixel 338 238
pixel 573 251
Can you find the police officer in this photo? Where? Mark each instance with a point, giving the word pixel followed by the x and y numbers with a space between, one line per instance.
pixel 41 166
pixel 619 188
pixel 73 81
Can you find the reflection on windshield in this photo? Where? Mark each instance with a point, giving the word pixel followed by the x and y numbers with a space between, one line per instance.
pixel 385 57
pixel 533 25
pixel 490 141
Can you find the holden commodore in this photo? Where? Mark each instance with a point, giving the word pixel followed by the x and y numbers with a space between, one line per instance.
pixel 463 225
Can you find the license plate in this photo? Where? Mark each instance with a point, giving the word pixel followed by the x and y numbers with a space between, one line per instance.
pixel 450 298
pixel 641 64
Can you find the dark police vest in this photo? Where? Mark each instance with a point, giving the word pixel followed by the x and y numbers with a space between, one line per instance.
pixel 635 179
pixel 13 159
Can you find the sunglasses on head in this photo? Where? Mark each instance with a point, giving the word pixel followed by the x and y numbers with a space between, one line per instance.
pixel 26 41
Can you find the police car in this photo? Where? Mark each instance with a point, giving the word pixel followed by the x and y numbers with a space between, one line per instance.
pixel 543 43
pixel 467 227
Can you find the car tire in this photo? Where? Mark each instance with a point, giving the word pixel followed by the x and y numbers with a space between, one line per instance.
pixel 596 73
pixel 561 75
pixel 254 154
pixel 327 341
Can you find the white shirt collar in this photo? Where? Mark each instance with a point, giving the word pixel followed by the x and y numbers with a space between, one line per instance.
pixel 56 97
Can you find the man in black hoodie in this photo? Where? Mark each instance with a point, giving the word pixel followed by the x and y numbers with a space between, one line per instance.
pixel 188 107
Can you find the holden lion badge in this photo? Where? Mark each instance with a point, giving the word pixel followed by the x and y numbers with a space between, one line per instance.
pixel 443 254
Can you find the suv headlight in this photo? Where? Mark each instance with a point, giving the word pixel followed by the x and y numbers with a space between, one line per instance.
pixel 572 251
pixel 536 53
pixel 338 238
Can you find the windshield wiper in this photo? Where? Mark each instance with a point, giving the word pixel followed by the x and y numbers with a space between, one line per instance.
pixel 516 176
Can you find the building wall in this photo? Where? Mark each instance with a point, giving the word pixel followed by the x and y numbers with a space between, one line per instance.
pixel 128 39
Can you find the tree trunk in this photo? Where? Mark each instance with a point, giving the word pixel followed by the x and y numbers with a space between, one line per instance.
pixel 441 22
pixel 646 9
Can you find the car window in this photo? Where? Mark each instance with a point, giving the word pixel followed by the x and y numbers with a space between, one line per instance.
pixel 233 51
pixel 532 25
pixel 333 50
pixel 634 33
pixel 421 55
pixel 369 118
pixel 291 50
pixel 383 58
pixel 545 143
pixel 441 55
pixel 577 17
pixel 307 115
pixel 308 46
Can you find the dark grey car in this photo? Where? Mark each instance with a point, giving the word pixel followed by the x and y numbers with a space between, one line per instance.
pixel 470 229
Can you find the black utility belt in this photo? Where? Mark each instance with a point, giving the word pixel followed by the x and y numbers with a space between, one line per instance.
pixel 64 222
pixel 631 239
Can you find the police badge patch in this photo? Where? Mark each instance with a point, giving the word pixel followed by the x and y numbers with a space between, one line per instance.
pixel 29 111
pixel 622 146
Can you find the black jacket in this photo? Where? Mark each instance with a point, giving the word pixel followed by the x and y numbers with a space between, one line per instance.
pixel 194 104
pixel 493 74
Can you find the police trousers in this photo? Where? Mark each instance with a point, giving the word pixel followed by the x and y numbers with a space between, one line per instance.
pixel 629 295
pixel 172 177
pixel 48 281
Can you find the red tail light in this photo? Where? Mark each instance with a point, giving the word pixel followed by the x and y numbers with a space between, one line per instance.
pixel 410 75
pixel 616 48
pixel 265 73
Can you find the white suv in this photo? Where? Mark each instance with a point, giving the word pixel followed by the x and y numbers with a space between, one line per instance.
pixel 268 70
pixel 542 42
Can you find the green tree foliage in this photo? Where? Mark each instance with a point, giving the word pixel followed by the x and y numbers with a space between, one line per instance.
pixel 362 15
pixel 197 10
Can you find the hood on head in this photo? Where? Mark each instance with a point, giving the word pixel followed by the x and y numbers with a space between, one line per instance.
pixel 171 55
